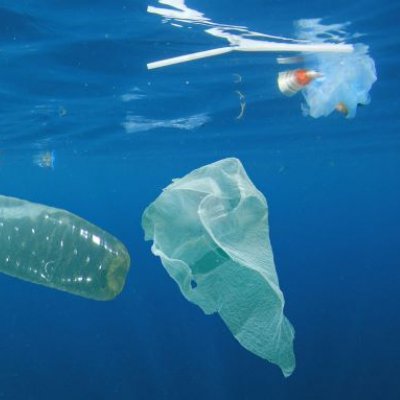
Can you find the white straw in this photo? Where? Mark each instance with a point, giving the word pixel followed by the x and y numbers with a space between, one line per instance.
pixel 190 57
pixel 262 47
pixel 294 47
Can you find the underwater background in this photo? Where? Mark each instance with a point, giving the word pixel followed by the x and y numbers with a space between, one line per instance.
pixel 86 127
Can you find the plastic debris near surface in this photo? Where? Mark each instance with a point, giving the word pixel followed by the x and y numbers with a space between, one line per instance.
pixel 340 75
pixel 45 159
pixel 210 229
pixel 344 83
pixel 58 249
pixel 240 38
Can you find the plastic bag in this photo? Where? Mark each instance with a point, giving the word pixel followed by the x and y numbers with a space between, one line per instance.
pixel 345 82
pixel 210 229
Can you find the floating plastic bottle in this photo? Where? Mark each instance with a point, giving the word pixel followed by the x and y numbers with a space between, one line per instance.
pixel 58 249
pixel 290 82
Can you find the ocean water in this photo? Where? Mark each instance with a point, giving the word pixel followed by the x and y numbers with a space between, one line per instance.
pixel 86 127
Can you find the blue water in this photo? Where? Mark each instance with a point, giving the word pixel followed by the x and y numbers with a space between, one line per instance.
pixel 73 81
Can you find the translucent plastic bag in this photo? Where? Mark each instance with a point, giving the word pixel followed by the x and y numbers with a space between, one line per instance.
pixel 345 82
pixel 210 229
